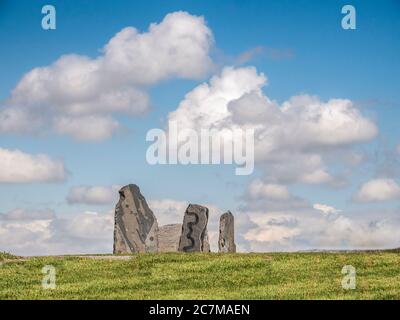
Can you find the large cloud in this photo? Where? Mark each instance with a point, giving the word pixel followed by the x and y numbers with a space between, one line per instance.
pixel 307 229
pixel 378 190
pixel 296 142
pixel 260 195
pixel 38 232
pixel 292 138
pixel 78 95
pixel 19 167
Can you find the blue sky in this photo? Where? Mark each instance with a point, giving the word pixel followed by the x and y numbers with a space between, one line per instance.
pixel 299 46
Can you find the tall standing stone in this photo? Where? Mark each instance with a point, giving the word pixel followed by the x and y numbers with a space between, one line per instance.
pixel 194 230
pixel 136 228
pixel 226 242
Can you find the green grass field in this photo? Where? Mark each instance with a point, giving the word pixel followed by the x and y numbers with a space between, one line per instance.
pixel 204 276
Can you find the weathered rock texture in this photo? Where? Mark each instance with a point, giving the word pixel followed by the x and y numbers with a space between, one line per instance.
pixel 206 243
pixel 194 230
pixel 136 228
pixel 168 237
pixel 226 242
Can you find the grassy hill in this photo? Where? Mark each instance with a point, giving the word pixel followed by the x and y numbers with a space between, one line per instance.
pixel 204 276
pixel 6 256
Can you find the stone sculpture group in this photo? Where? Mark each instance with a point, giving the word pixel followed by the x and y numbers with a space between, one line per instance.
pixel 136 228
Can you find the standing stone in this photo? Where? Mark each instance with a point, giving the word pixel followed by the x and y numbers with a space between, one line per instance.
pixel 168 237
pixel 194 230
pixel 226 242
pixel 206 243
pixel 136 228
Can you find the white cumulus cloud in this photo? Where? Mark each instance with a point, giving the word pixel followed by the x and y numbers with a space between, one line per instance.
pixel 94 195
pixel 306 229
pixel 87 128
pixel 36 232
pixel 378 190
pixel 78 95
pixel 291 139
pixel 325 209
pixel 259 189
pixel 20 167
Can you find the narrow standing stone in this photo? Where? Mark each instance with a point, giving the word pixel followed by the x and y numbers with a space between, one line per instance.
pixel 136 228
pixel 226 242
pixel 194 230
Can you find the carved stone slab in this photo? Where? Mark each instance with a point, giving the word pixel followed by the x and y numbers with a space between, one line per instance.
pixel 136 228
pixel 168 237
pixel 194 230
pixel 226 242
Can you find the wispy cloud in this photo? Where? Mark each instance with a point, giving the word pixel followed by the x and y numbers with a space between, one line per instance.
pixel 266 53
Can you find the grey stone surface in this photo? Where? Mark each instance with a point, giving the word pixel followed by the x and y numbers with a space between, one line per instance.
pixel 136 228
pixel 226 242
pixel 206 243
pixel 194 230
pixel 168 237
